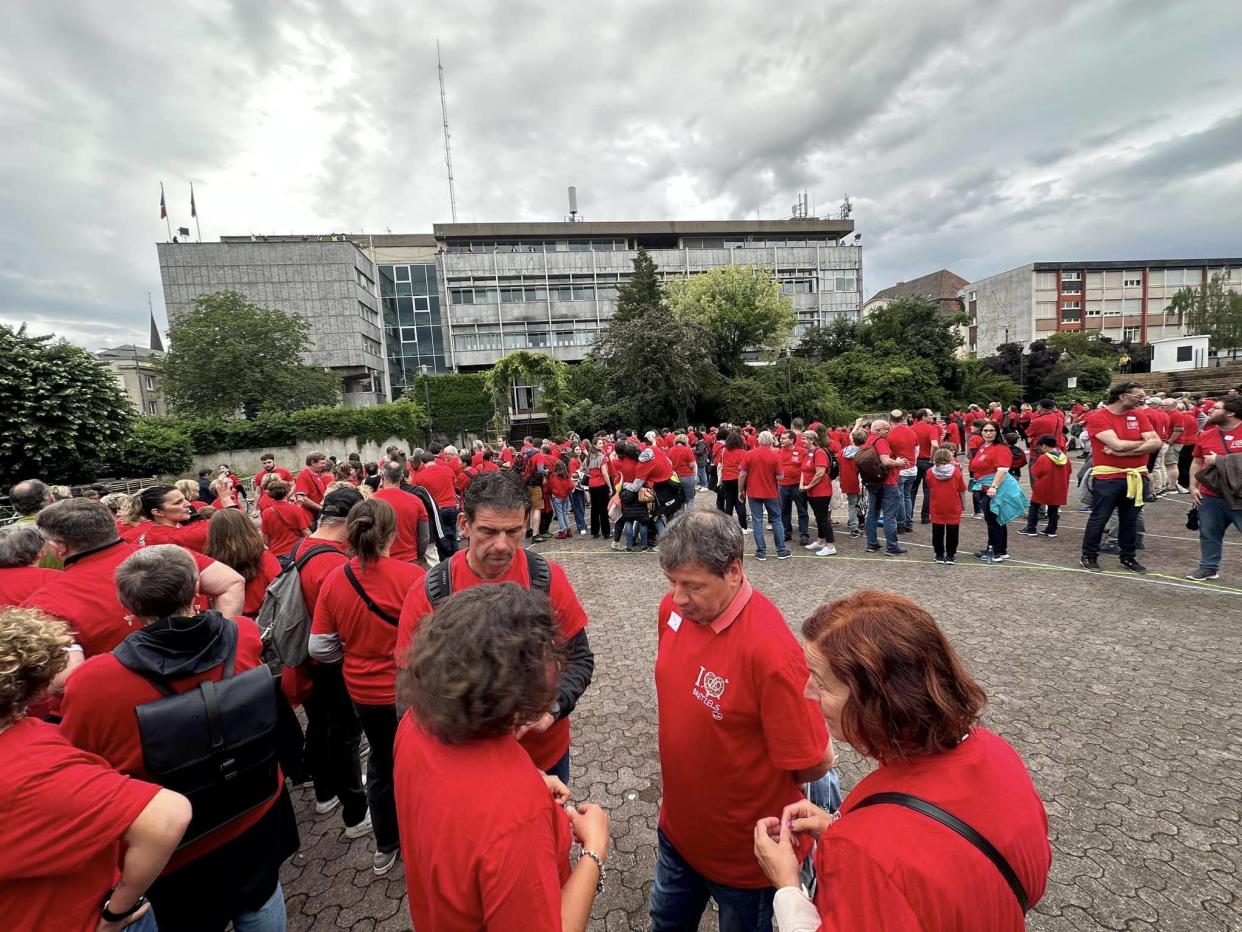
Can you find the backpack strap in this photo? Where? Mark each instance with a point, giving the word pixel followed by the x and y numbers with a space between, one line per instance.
pixel 947 819
pixel 370 602
pixel 438 584
pixel 539 571
pixel 298 561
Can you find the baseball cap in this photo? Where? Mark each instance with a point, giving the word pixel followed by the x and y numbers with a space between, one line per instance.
pixel 337 504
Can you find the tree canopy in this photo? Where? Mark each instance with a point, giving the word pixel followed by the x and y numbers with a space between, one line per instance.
pixel 63 415
pixel 640 295
pixel 1211 309
pixel 228 356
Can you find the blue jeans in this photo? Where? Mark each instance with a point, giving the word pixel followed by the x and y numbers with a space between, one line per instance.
pixel 1107 496
pixel 561 507
pixel 1214 521
pixel 560 769
pixel 629 533
pixel 909 489
pixel 146 924
pixel 773 505
pixel 884 499
pixel 679 896
pixel 689 486
pixel 578 502
pixel 270 917
pixel 703 477
pixel 791 495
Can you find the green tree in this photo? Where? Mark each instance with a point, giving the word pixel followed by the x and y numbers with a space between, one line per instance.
pixel 640 295
pixel 790 387
pixel 821 343
pixel 872 382
pixel 915 327
pixel 742 309
pixel 62 413
pixel 1084 345
pixel 229 356
pixel 155 447
pixel 1211 309
pixel 981 384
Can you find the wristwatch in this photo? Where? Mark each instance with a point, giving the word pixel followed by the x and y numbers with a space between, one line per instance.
pixel 110 916
pixel 555 711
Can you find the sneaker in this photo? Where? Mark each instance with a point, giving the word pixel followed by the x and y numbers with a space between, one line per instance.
pixel 617 545
pixel 1001 557
pixel 814 545
pixel 327 805
pixel 361 828
pixel 1202 575
pixel 761 556
pixel 364 748
pixel 978 517
pixel 629 549
pixel 653 549
pixel 382 862
pixel 804 541
pixel 905 529
pixel 939 559
pixel 1028 532
pixel 582 533
pixel 538 539
pixel 1085 510
pixel 1182 490
pixel 784 556
pixel 829 551
pixel 1171 492
pixel 1133 565
pixel 896 551
pixel 950 561
pixel 1090 564
pixel 854 532
pixel 1048 533
pixel 875 549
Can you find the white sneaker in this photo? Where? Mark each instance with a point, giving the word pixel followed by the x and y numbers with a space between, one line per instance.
pixel 327 805
pixel 362 828
pixel 829 551
pixel 382 863
pixel 582 533
pixel 813 545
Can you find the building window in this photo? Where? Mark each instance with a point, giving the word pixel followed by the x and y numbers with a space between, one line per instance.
pixel 525 398
pixel 1045 281
pixel 1069 315
pixel 1071 306
pixel 1071 287
pixel 1112 307
pixel 1129 334
pixel 1071 276
pixel 1132 305
pixel 1185 353
pixel 1045 310
pixel 1131 279
pixel 149 381
pixel 368 314
pixel 845 280
pixel 1093 308
pixel 1095 281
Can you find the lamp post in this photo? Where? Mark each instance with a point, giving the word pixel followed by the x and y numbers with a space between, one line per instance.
pixel 423 370
pixel 788 385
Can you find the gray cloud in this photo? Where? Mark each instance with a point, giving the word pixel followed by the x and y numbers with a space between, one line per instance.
pixel 971 134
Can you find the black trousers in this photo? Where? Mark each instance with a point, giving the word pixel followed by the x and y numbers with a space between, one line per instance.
pixel 944 539
pixel 333 735
pixel 998 534
pixel 1184 457
pixel 599 511
pixel 922 483
pixel 1109 495
pixel 380 724
pixel 822 507
pixel 730 504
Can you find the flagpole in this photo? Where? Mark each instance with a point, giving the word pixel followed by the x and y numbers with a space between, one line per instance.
pixel 194 211
pixel 164 211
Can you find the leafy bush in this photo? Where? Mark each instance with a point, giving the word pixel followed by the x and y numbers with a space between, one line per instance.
pixel 154 448
pixel 464 397
pixel 871 383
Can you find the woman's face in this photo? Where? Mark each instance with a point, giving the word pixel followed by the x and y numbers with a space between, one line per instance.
pixel 988 434
pixel 599 444
pixel 826 690
pixel 174 508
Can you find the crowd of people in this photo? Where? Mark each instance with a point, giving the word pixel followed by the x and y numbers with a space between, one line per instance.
pixel 157 647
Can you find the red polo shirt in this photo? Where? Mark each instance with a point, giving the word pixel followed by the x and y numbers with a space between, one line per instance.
pixel 190 536
pixel 410 512
pixel 883 448
pixel 437 478
pixel 731 691
pixel 928 436
pixel 1129 425
pixel 682 458
pixel 65 812
pixel 85 596
pixel 762 465
pixel 311 485
pixel 278 471
pixel 991 459
pixel 731 463
pixel 904 441
pixel 791 465
pixel 946 497
pixel 283 523
pixel 1190 428
pixel 110 729
pixel 812 462
pixel 367 639
pixel 19 582
pixel 545 748
pixel 502 869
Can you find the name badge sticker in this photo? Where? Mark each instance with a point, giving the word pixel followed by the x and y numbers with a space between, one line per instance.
pixel 674 621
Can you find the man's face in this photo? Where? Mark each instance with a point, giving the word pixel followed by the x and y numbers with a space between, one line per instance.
pixel 493 539
pixel 268 464
pixel 699 594
pixel 1217 415
pixel 1134 398
pixel 787 440
pixel 319 466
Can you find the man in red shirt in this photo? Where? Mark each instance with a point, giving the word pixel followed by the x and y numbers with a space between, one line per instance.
pixel 737 735
pixel 1221 437
pixel 884 499
pixel 928 436
pixel 759 481
pixel 1048 422
pixel 493 524
pixel 437 478
pixel 309 486
pixel 1122 439
pixel 791 456
pixel 905 444
pixel 413 532
pixel 268 470
pixel 283 523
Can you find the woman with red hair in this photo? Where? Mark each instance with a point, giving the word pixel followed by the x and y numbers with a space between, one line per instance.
pixel 948 833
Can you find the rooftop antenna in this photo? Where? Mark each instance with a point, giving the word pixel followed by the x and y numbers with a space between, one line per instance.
pixel 846 208
pixel 448 152
pixel 573 204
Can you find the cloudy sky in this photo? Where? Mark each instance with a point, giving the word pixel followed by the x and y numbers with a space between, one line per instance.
pixel 974 135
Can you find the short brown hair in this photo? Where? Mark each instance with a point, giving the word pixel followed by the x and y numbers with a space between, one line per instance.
pixel 484 664
pixel 909 692
pixel 32 654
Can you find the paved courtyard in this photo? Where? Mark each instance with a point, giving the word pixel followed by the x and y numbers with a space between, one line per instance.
pixel 1120 692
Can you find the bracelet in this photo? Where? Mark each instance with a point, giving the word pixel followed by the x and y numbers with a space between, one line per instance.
pixel 110 916
pixel 599 862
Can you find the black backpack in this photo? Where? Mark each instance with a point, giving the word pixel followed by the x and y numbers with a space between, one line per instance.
pixel 439 582
pixel 871 471
pixel 217 744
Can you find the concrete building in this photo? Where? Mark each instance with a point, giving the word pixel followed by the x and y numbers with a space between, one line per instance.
pixel 1122 300
pixel 138 370
pixel 327 280
pixel 942 287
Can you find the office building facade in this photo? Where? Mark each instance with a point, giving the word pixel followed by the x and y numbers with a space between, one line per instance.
pixel 138 370
pixel 1125 300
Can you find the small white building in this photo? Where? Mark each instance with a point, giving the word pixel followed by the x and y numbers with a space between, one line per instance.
pixel 1178 353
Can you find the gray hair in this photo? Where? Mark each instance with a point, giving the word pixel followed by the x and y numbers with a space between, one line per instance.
pixel 393 473
pixel 157 582
pixel 119 503
pixel 78 523
pixel 709 537
pixel 766 438
pixel 19 546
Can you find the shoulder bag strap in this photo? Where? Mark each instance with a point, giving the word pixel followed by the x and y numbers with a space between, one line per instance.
pixel 539 571
pixel 438 584
pixel 370 602
pixel 951 821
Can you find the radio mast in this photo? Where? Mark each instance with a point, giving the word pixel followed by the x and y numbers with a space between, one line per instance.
pixel 448 151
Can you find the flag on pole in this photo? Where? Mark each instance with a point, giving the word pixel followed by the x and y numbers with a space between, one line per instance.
pixel 163 208
pixel 193 209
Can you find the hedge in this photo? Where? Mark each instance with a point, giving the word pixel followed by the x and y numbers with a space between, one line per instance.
pixel 455 398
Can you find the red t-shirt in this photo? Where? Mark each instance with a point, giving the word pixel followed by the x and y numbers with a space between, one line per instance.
pixel 367 639
pixel 762 465
pixel 311 485
pixel 731 691
pixel 1190 428
pixel 1049 482
pixel 85 596
pixel 848 480
pixel 1160 421
pixel 791 460
pixel 410 512
pixel 1046 425
pixel 110 729
pixel 928 436
pixel 1129 426
pixel 656 469
pixel 502 869
pixel 731 463
pixel 437 478
pixel 946 497
pixel 283 523
pixel 256 588
pixel 884 449
pixel 1218 440
pixel 904 441
pixel 318 568
pixel 19 582
pixel 65 812
pixel 812 462
pixel 545 748
pixel 596 475
pixel 885 867
pixel 190 536
pixel 560 486
pixel 991 459
pixel 278 471
pixel 953 434
pixel 682 458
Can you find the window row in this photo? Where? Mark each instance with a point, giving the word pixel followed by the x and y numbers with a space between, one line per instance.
pixel 515 336
pixel 482 247
pixel 754 242
pixel 517 295
pixel 369 314
pixel 1074 282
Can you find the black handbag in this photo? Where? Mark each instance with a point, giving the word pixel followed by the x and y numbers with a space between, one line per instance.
pixel 1192 519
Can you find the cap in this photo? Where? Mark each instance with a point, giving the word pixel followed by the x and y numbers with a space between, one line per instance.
pixel 337 504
